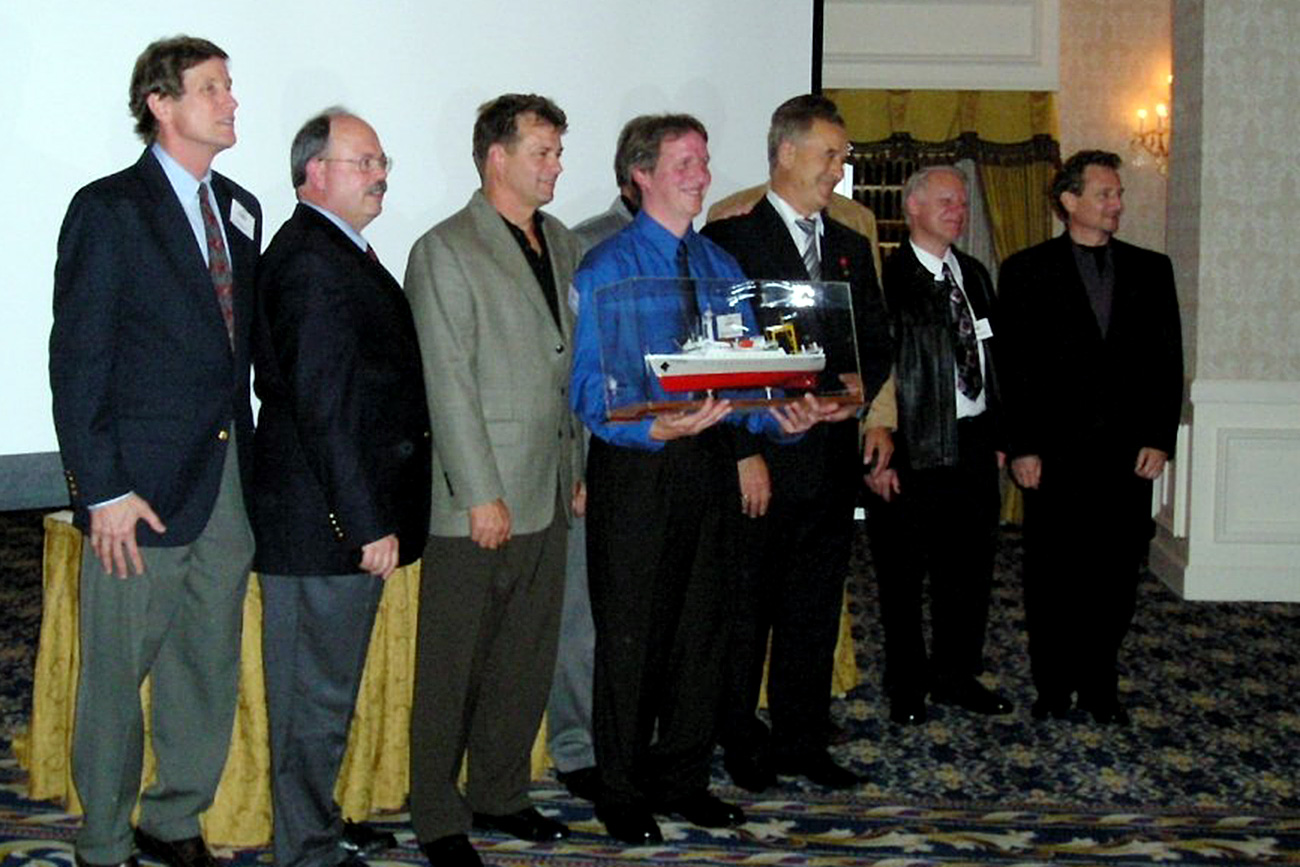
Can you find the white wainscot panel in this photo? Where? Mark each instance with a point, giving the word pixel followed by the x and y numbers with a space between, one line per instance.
pixel 942 44
pixel 1259 486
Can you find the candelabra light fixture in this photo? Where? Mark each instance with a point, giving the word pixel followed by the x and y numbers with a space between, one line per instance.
pixel 1150 143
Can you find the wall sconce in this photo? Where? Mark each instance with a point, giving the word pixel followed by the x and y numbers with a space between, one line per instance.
pixel 1151 141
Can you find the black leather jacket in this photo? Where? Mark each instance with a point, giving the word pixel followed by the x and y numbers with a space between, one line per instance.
pixel 918 309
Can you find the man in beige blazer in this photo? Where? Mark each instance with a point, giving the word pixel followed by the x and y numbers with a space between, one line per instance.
pixel 488 287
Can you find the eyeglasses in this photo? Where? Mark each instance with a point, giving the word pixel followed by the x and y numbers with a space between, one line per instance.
pixel 365 165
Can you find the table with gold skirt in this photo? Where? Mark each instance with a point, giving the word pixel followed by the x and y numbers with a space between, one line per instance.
pixel 374 775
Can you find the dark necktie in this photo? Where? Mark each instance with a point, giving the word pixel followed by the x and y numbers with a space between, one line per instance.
pixel 218 262
pixel 690 304
pixel 965 347
pixel 370 251
pixel 811 261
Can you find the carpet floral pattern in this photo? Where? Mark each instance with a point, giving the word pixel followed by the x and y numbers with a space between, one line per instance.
pixel 1208 772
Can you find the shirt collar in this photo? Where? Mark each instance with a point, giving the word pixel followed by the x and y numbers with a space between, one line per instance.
pixel 343 225
pixel 789 215
pixel 934 264
pixel 660 238
pixel 183 183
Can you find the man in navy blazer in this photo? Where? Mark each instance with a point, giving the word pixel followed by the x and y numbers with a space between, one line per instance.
pixel 149 361
pixel 1094 391
pixel 342 472
pixel 793 560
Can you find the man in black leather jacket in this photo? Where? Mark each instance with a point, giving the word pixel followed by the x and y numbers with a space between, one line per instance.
pixel 938 507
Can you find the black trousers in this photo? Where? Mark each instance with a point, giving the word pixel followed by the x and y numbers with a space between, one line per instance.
pixel 789 584
pixel 655 547
pixel 1087 528
pixel 942 524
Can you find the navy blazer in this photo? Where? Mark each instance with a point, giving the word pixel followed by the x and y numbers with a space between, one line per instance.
pixel 343 447
pixel 762 245
pixel 143 374
pixel 1065 382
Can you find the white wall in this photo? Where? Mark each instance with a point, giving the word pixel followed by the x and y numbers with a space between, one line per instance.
pixel 415 70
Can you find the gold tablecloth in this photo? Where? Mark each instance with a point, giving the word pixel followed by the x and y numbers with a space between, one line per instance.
pixel 374 776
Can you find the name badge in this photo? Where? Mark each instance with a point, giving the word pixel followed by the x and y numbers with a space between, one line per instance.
pixel 983 331
pixel 242 220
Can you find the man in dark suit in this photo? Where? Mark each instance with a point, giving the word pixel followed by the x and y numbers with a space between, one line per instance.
pixel 341 471
pixel 487 286
pixel 149 359
pixel 1094 382
pixel 793 561
pixel 938 512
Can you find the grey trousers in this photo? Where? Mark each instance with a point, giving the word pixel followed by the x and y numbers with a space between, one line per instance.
pixel 315 634
pixel 180 623
pixel 568 712
pixel 485 653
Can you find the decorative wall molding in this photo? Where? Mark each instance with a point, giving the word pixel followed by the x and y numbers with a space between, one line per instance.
pixel 1243 527
pixel 942 44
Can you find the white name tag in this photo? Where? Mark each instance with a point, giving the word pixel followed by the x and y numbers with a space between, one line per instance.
pixel 983 331
pixel 242 220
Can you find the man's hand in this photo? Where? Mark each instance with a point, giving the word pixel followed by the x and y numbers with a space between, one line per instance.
pixel 112 534
pixel 884 483
pixel 798 416
pixel 755 485
pixel 1151 463
pixel 1027 470
pixel 877 449
pixel 489 524
pixel 853 385
pixel 674 425
pixel 380 557
pixel 578 503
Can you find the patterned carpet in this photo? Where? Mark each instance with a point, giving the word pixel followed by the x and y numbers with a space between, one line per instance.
pixel 1209 771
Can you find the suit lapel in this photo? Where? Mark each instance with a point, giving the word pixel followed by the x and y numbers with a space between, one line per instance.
pixel 506 254
pixel 779 248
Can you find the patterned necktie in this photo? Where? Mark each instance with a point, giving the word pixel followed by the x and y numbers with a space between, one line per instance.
pixel 965 348
pixel 811 261
pixel 218 262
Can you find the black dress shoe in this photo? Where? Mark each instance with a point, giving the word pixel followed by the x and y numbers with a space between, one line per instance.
pixel 818 768
pixel 907 710
pixel 704 809
pixel 750 771
pixel 1054 706
pixel 583 783
pixel 362 838
pixel 454 850
pixel 972 695
pixel 190 852
pixel 526 824
pixel 82 862
pixel 628 824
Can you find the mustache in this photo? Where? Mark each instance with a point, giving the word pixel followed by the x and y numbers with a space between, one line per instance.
pixel 378 188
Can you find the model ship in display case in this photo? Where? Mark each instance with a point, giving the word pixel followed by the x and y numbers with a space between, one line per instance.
pixel 721 355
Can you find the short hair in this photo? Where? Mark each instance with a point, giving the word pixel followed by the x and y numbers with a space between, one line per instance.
pixel 794 117
pixel 920 179
pixel 642 137
pixel 498 121
pixel 311 141
pixel 160 69
pixel 623 161
pixel 1069 179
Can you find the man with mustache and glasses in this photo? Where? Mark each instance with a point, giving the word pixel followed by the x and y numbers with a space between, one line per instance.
pixel 341 473
pixel 149 355
pixel 487 286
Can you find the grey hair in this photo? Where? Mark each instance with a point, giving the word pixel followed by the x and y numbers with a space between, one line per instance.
pixel 920 179
pixel 311 141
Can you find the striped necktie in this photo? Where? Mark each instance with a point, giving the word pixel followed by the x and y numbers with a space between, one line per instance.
pixel 811 261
